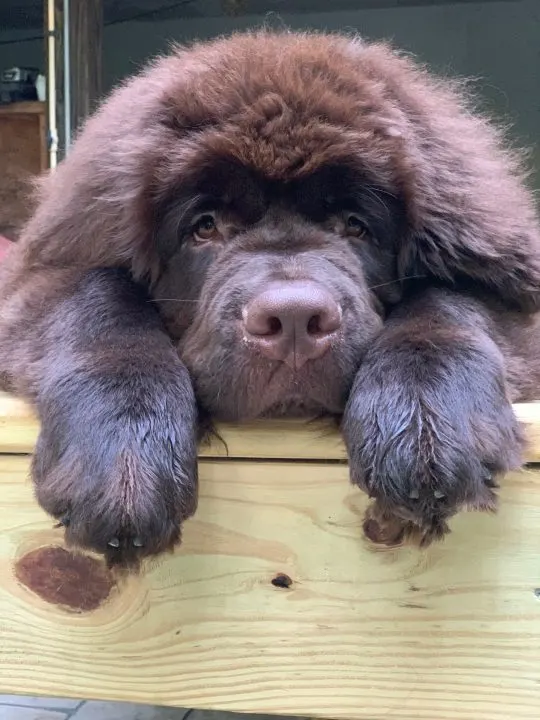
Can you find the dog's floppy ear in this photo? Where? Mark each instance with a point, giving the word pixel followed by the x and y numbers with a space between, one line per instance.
pixel 472 216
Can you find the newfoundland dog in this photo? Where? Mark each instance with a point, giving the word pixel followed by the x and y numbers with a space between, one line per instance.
pixel 275 224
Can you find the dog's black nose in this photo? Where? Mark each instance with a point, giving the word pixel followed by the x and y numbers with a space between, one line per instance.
pixel 292 321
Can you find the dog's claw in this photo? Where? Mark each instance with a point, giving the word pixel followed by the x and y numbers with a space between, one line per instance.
pixel 489 479
pixel 138 543
pixel 114 543
pixel 64 521
pixel 438 495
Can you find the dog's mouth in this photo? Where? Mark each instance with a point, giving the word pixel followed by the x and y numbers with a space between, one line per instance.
pixel 299 408
pixel 275 390
pixel 279 373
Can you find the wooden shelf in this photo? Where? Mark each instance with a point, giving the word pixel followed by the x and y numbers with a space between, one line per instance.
pixel 447 633
pixel 24 108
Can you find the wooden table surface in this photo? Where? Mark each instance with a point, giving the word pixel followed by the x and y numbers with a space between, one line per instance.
pixel 449 633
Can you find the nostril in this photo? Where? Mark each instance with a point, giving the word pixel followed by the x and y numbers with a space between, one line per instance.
pixel 274 326
pixel 314 325
pixel 325 322
pixel 262 324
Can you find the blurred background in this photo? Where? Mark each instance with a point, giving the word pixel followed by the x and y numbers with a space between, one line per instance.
pixel 58 57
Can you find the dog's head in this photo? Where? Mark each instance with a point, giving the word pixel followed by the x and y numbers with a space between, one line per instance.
pixel 278 192
pixel 278 226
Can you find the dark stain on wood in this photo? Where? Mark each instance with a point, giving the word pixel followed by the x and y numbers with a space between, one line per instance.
pixel 74 581
pixel 390 533
pixel 282 581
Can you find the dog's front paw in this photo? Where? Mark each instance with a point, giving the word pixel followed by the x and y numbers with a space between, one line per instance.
pixel 423 451
pixel 118 469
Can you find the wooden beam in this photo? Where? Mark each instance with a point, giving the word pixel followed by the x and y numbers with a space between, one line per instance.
pixel 284 440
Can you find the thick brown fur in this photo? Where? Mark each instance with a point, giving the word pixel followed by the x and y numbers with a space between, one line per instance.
pixel 125 332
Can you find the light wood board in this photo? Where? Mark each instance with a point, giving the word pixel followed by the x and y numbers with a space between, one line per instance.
pixel 448 633
pixel 266 440
pixel 452 633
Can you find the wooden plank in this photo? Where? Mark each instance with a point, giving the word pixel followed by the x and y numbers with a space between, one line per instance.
pixel 268 440
pixel 30 107
pixel 451 633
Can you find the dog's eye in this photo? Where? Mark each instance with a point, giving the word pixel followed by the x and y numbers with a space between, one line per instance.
pixel 206 229
pixel 329 203
pixel 355 226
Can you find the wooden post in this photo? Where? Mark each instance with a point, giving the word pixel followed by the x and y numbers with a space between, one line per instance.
pixel 86 39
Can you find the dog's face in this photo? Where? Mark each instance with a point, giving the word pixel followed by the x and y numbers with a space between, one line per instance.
pixel 277 227
pixel 274 288
pixel 277 219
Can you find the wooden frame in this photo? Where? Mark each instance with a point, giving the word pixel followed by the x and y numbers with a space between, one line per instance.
pixel 23 155
pixel 30 109
pixel 276 603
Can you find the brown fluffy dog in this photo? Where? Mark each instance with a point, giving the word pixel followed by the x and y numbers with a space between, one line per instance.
pixel 274 224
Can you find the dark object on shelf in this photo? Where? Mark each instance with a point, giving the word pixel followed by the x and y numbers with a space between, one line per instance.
pixel 18 85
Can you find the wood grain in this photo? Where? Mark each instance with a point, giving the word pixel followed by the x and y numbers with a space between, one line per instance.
pixel 265 440
pixel 451 633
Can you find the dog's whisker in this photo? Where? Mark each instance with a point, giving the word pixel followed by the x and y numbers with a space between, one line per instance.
pixel 397 280
pixel 177 300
